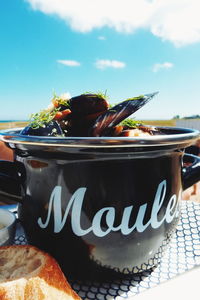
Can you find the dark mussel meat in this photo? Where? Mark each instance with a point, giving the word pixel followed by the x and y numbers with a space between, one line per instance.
pixel 84 111
pixel 49 129
pixel 118 113
pixel 87 104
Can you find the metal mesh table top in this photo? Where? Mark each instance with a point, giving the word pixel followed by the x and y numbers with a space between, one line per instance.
pixel 182 255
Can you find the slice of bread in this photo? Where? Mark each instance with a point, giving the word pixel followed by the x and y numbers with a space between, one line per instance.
pixel 27 273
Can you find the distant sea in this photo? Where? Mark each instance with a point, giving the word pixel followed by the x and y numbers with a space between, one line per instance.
pixel 7 121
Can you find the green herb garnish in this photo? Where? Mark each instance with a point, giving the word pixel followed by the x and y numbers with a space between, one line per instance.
pixel 135 98
pixel 61 101
pixel 102 95
pixel 130 123
pixel 42 118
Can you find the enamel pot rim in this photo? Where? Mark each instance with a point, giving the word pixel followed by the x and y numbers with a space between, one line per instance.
pixel 170 136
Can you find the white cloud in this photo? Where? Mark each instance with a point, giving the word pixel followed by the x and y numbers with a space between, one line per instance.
pixel 69 63
pixel 106 63
pixel 173 20
pixel 101 37
pixel 165 65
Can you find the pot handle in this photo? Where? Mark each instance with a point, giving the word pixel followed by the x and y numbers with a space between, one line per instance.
pixel 10 182
pixel 191 174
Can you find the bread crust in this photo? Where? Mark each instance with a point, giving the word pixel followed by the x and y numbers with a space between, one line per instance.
pixel 49 277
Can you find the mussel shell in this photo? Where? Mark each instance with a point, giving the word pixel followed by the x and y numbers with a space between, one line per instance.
pixel 118 113
pixel 80 125
pixel 50 129
pixel 88 104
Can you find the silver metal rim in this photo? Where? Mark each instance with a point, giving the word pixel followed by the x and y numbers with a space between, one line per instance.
pixel 174 136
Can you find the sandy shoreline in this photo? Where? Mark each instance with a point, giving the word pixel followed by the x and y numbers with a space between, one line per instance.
pixel 14 124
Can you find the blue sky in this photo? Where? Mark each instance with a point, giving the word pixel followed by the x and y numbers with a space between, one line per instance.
pixel 126 48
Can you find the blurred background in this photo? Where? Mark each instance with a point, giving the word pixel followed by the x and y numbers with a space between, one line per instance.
pixel 122 47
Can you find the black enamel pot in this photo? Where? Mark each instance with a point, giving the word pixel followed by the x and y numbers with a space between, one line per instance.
pixel 100 203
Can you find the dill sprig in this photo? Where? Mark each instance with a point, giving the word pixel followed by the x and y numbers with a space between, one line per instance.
pixel 103 95
pixel 42 118
pixel 99 94
pixel 135 98
pixel 131 123
pixel 60 100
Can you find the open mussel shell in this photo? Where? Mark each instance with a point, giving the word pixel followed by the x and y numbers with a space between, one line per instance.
pixel 118 113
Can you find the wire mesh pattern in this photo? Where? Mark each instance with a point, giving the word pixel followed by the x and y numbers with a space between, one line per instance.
pixel 182 255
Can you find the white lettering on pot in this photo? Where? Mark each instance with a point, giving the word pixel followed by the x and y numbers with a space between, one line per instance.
pixel 75 206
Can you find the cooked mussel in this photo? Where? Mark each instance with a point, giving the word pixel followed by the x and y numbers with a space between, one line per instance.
pixel 118 113
pixel 49 129
pixel 87 104
pixel 84 111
